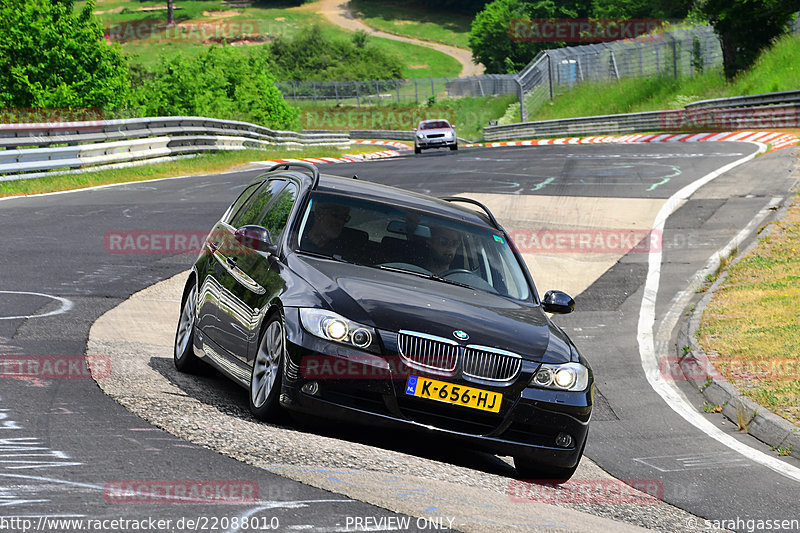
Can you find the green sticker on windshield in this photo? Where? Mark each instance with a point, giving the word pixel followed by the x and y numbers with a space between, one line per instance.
pixel 499 239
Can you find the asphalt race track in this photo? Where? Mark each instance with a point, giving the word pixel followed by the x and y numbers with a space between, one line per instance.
pixel 65 446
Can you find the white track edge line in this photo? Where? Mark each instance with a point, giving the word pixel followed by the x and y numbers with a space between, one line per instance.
pixel 668 391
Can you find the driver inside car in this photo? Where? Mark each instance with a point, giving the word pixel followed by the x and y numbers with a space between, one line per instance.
pixel 442 247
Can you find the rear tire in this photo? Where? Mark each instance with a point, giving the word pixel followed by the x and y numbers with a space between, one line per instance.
pixel 266 376
pixel 183 351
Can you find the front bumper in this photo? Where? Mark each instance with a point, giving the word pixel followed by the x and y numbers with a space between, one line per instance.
pixel 435 142
pixel 370 389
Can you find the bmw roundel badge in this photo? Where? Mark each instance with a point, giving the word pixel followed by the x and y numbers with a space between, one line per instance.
pixel 460 335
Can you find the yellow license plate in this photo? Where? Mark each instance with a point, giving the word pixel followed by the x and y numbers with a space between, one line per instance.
pixel 433 389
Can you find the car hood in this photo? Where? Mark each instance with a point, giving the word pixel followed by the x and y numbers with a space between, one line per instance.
pixel 396 301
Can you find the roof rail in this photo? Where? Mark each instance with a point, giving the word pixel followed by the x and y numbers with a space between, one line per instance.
pixel 474 202
pixel 302 164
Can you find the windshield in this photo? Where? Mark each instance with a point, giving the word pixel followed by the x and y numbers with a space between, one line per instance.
pixel 434 125
pixel 385 236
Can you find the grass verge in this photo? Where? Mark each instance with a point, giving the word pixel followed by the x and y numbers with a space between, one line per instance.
pixel 203 164
pixel 408 19
pixel 751 328
pixel 777 69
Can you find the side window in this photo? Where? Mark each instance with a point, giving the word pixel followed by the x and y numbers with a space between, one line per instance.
pixel 278 215
pixel 253 212
pixel 239 202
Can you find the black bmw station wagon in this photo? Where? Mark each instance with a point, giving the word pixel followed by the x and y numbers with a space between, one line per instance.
pixel 352 300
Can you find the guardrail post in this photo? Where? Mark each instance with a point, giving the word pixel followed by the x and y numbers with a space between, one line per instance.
pixel 358 97
pixel 433 92
pixel 397 87
pixel 314 87
pixel 416 91
pixel 294 91
pixel 336 91
pixel 522 114
pixel 674 55
pixel 550 73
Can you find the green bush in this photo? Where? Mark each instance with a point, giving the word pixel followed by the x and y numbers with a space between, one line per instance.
pixel 312 56
pixel 53 57
pixel 220 82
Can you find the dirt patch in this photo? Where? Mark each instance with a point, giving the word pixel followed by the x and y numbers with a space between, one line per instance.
pixel 115 10
pixel 417 66
pixel 156 8
pixel 222 13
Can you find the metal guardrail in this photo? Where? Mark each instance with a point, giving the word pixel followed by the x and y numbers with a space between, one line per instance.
pixel 728 114
pixel 26 150
pixel 393 135
pixel 751 100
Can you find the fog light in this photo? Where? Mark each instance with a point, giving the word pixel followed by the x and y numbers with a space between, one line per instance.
pixel 312 388
pixel 564 440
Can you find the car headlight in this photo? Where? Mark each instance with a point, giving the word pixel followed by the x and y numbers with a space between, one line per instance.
pixel 334 327
pixel 567 377
pixel 420 136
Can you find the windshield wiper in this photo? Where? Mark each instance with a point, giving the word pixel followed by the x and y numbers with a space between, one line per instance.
pixel 335 257
pixel 425 275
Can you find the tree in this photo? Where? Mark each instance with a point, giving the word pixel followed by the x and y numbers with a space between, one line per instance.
pixel 745 27
pixel 640 9
pixel 170 13
pixel 51 56
pixel 490 37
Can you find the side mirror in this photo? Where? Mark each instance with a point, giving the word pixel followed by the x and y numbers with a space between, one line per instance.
pixel 558 302
pixel 414 129
pixel 256 238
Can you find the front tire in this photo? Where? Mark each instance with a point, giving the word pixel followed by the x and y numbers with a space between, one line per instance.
pixel 265 379
pixel 183 352
pixel 453 147
pixel 417 150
